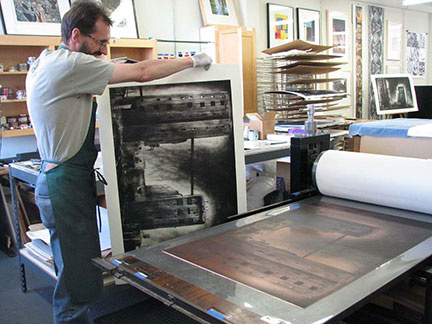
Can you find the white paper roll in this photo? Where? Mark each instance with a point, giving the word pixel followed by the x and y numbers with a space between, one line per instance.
pixel 392 181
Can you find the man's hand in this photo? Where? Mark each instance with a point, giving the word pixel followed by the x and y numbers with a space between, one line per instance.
pixel 201 59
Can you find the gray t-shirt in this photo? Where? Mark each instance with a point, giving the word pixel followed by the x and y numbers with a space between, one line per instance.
pixel 59 86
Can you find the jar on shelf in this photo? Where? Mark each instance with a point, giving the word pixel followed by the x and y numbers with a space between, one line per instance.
pixel 6 93
pixel 22 67
pixel 13 122
pixel 30 60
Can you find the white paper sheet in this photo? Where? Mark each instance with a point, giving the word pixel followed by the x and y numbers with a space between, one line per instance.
pixel 392 181
pixel 104 234
pixel 420 131
pixel 42 235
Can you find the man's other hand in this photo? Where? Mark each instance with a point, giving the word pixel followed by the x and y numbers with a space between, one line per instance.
pixel 201 59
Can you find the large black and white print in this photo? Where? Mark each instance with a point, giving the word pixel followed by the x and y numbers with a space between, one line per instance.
pixel 394 94
pixel 416 54
pixel 175 161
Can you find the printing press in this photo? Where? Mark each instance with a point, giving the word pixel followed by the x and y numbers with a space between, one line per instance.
pixel 313 259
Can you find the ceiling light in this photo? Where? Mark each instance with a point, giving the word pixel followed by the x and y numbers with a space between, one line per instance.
pixel 414 2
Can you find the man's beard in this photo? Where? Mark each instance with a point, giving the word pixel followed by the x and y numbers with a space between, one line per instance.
pixel 84 48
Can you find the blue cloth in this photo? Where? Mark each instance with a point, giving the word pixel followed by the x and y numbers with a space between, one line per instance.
pixel 387 128
pixel 64 310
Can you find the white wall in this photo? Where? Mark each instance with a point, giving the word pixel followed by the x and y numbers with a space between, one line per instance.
pixel 10 146
pixel 170 20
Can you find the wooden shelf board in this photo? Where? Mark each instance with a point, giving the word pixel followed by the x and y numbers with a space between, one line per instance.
pixel 13 101
pixel 13 73
pixel 17 132
pixel 22 40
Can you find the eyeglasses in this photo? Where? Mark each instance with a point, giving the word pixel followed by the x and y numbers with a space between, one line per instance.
pixel 100 42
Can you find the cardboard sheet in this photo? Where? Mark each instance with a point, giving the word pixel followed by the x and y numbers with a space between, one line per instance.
pixel 307 81
pixel 306 69
pixel 297 45
pixel 305 56
pixel 328 64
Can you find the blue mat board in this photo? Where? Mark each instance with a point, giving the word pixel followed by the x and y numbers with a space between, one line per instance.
pixel 387 128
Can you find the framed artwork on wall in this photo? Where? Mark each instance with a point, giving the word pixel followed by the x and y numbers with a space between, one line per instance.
pixel 280 24
pixel 123 16
pixel 394 40
pixel 219 12
pixel 359 25
pixel 376 51
pixel 416 51
pixel 33 17
pixel 308 25
pixel 338 33
pixel 172 153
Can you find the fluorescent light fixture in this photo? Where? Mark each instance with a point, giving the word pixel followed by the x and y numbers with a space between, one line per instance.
pixel 414 2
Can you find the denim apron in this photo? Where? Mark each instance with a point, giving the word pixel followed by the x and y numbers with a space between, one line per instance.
pixel 72 189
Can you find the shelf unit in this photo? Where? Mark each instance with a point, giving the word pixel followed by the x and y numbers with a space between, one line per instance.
pixel 292 84
pixel 16 49
pixel 19 172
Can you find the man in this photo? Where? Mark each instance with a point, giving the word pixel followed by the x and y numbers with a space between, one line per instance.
pixel 60 85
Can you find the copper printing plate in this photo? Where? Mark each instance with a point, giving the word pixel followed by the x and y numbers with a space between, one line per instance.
pixel 304 255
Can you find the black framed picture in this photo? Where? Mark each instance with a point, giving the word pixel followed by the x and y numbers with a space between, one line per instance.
pixel 308 25
pixel 280 24
pixel 41 17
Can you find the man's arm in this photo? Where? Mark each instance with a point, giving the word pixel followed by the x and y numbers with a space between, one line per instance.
pixel 155 69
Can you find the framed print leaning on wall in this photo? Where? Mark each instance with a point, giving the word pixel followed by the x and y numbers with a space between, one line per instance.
pixel 280 24
pixel 41 17
pixel 172 154
pixel 308 25
pixel 394 93
pixel 219 12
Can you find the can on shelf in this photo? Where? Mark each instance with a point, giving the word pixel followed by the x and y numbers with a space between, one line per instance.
pixel 22 67
pixel 23 118
pixel 13 122
pixel 7 93
pixel 20 94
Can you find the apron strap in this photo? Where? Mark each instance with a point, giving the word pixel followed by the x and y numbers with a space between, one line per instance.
pixel 102 179
pixel 100 176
